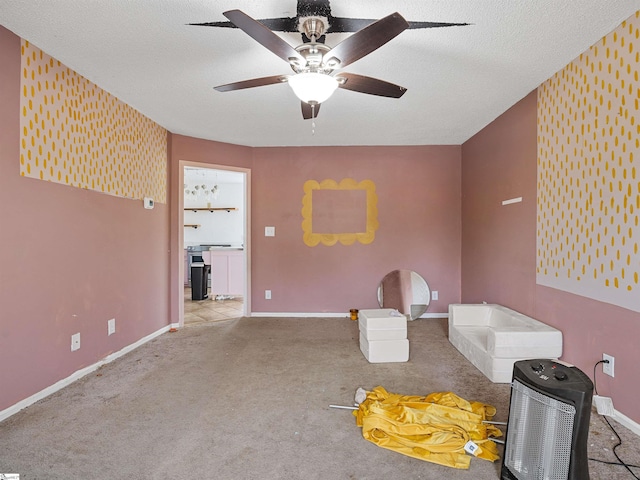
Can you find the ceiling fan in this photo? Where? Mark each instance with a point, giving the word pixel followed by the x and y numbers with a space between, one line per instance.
pixel 315 64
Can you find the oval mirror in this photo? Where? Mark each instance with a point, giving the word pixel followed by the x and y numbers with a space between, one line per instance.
pixel 406 291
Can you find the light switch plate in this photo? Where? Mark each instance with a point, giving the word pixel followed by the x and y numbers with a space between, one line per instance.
pixel 75 342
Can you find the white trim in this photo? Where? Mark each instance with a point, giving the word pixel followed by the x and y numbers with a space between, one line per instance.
pixel 329 315
pixel 434 315
pixel 299 314
pixel 77 375
pixel 626 422
pixel 246 304
pixel 512 200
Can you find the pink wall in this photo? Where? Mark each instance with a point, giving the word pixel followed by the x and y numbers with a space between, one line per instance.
pixel 499 256
pixel 70 259
pixel 418 191
pixel 499 242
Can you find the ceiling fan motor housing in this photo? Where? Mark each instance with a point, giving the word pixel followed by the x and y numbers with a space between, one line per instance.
pixel 313 27
pixel 313 54
pixel 314 63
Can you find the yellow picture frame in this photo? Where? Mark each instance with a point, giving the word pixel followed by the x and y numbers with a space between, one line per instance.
pixel 312 239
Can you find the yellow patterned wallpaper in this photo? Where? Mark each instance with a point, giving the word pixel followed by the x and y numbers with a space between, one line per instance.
pixel 589 172
pixel 75 133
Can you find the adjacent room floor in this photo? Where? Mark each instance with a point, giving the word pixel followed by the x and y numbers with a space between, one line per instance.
pixel 249 398
pixel 210 309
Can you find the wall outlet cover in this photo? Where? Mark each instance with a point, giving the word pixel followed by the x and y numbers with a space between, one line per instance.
pixel 148 203
pixel 608 368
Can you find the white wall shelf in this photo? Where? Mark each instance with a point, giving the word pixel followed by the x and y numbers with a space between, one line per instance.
pixel 212 209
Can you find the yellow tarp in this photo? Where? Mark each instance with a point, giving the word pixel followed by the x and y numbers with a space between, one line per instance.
pixel 434 428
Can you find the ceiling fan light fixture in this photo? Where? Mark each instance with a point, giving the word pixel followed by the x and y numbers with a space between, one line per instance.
pixel 313 87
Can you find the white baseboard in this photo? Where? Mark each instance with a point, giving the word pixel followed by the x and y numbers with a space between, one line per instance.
pixel 626 422
pixel 434 315
pixel 330 315
pixel 299 314
pixel 12 410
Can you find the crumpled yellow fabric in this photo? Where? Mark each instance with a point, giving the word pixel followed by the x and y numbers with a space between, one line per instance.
pixel 434 428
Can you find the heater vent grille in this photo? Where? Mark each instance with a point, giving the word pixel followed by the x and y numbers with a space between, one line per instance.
pixel 539 435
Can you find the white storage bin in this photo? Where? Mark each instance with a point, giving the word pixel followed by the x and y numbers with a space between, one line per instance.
pixel 384 351
pixel 381 324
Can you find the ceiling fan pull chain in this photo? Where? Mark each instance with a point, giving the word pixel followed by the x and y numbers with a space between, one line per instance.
pixel 313 119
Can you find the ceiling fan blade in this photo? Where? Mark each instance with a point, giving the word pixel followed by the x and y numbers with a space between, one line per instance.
pixel 254 82
pixel 370 86
pixel 365 41
pixel 415 25
pixel 308 112
pixel 264 36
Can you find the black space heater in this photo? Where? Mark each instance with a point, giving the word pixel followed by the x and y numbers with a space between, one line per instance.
pixel 548 422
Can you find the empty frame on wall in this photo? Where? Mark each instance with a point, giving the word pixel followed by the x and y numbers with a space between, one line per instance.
pixel 343 212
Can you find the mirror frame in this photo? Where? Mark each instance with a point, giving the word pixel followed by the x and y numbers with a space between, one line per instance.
pixel 405 283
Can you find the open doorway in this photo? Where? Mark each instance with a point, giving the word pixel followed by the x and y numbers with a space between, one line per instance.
pixel 214 210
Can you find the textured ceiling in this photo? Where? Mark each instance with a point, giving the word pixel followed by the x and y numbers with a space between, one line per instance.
pixel 458 79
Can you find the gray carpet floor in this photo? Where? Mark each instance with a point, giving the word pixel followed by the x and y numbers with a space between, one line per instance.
pixel 249 399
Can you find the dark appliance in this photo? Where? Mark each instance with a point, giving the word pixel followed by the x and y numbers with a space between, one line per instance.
pixel 548 422
pixel 199 280
pixel 194 255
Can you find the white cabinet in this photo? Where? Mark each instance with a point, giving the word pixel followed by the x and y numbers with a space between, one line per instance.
pixel 236 273
pixel 227 272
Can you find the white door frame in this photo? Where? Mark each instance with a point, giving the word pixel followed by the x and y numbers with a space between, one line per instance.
pixel 246 307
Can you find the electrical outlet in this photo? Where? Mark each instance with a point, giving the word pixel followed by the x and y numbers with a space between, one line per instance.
pixel 269 231
pixel 111 326
pixel 434 295
pixel 75 342
pixel 267 294
pixel 608 368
